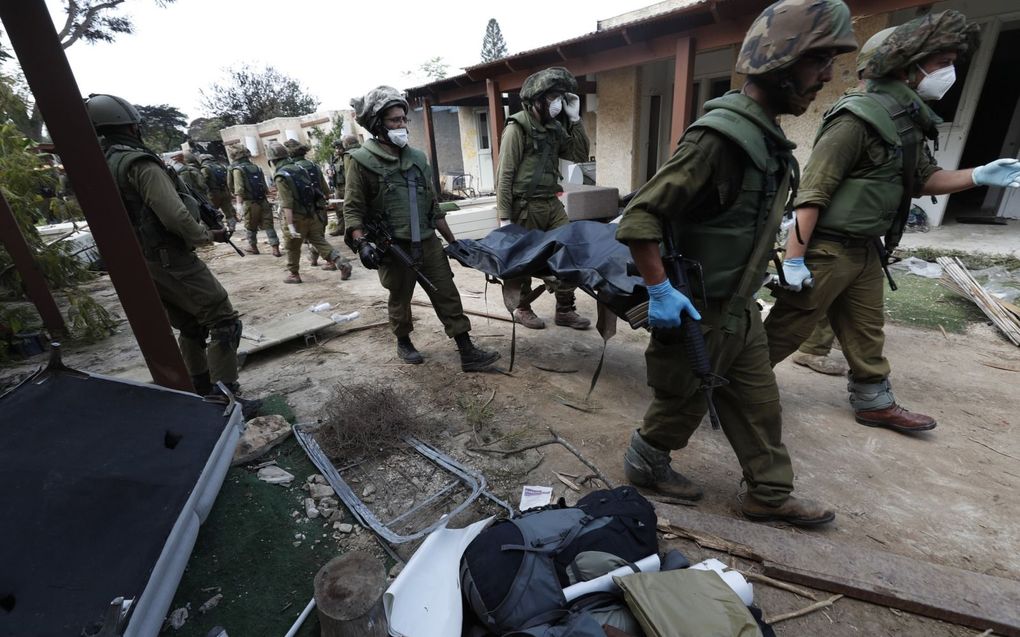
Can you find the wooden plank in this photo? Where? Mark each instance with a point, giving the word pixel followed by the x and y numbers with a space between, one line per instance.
pixel 280 330
pixel 946 593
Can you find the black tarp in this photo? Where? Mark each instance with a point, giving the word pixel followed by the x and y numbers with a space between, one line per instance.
pixel 582 253
pixel 94 474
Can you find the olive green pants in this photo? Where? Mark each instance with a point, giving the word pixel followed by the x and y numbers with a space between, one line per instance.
pixel 222 200
pixel 849 291
pixel 400 281
pixel 198 306
pixel 541 214
pixel 258 215
pixel 324 218
pixel 748 404
pixel 310 228
pixel 820 341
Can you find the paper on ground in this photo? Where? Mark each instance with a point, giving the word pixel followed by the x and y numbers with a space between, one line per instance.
pixel 532 496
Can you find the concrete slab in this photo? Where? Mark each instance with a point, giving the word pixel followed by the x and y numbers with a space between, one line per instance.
pixel 276 331
pixel 990 239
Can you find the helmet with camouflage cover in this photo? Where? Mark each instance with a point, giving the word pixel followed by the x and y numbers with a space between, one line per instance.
pixel 913 41
pixel 110 110
pixel 206 157
pixel 870 47
pixel 237 152
pixel 555 78
pixel 276 151
pixel 296 148
pixel 189 158
pixel 351 142
pixel 368 109
pixel 788 29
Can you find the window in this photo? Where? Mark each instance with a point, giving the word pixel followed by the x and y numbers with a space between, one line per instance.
pixel 483 130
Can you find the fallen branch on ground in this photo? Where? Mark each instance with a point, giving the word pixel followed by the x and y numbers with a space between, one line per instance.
pixel 555 440
pixel 774 583
pixel 807 610
pixel 708 541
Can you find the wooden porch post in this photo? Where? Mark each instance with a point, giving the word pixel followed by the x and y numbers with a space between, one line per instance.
pixel 683 77
pixel 496 122
pixel 430 142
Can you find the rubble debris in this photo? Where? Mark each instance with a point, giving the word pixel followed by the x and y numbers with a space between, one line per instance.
pixel 275 475
pixel 319 491
pixel 211 603
pixel 260 435
pixel 957 278
pixel 311 512
pixel 555 440
pixel 178 618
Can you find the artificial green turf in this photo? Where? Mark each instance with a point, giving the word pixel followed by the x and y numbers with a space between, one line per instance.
pixel 245 548
pixel 921 302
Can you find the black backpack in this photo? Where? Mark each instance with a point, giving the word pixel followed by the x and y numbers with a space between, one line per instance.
pixel 514 572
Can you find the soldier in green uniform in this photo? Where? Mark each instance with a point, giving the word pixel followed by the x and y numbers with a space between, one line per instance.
pixel 168 231
pixel 389 182
pixel 190 172
pixel 215 176
pixel 297 152
pixel 722 197
pixel 548 129
pixel 298 196
pixel 869 159
pixel 247 183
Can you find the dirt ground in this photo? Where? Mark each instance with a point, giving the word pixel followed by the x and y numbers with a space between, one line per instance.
pixel 949 497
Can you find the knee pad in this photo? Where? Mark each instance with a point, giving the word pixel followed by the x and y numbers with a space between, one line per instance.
pixel 227 333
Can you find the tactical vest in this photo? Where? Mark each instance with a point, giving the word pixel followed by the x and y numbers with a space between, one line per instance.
pixel 301 185
pixel 254 180
pixel 216 176
pixel 152 234
pixel 866 205
pixel 538 174
pixel 315 173
pixel 393 199
pixel 723 243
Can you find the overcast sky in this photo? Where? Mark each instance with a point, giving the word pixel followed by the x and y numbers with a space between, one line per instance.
pixel 336 49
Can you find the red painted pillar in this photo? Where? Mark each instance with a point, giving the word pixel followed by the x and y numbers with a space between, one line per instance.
pixel 683 77
pixel 35 42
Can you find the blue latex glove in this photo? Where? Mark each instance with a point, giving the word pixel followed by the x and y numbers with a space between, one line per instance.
pixel 666 304
pixel 1001 172
pixel 797 275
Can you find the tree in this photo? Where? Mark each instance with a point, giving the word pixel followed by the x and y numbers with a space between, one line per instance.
pixel 429 71
pixel 493 44
pixel 323 150
pixel 206 129
pixel 162 127
pixel 252 95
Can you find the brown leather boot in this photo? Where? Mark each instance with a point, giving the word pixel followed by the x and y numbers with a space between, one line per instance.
pixel 896 418
pixel 566 313
pixel 329 266
pixel 528 319
pixel 821 364
pixel 314 259
pixel 796 511
pixel 647 466
pixel 345 271
pixel 293 277
pixel 276 251
pixel 253 248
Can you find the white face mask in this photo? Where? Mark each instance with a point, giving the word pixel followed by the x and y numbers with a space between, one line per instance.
pixel 933 86
pixel 398 136
pixel 555 107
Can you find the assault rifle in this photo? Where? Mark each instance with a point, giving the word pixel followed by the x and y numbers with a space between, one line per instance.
pixel 379 234
pixel 211 216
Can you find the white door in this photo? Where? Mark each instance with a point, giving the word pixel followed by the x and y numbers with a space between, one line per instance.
pixel 483 177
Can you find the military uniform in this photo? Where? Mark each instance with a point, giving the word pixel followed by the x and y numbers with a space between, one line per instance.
pixel 378 184
pixel 247 182
pixel 190 173
pixel 195 302
pixel 215 176
pixel 712 192
pixel 297 153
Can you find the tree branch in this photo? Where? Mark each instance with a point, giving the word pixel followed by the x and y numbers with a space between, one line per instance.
pixel 90 15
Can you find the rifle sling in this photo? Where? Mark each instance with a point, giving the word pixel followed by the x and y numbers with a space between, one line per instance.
pixel 412 201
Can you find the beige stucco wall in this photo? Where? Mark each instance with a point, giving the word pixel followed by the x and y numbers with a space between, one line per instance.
pixel 844 75
pixel 618 114
pixel 468 140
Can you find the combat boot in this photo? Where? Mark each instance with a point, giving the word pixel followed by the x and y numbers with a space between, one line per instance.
pixel 253 248
pixel 528 319
pixel 345 269
pixel 276 251
pixel 202 383
pixel 293 277
pixel 249 407
pixel 566 313
pixel 647 466
pixel 896 418
pixel 474 359
pixel 407 352
pixel 328 266
pixel 796 511
pixel 314 260
pixel 821 364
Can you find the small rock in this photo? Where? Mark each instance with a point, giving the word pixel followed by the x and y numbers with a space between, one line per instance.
pixel 331 503
pixel 344 527
pixel 368 490
pixel 178 617
pixel 275 475
pixel 325 512
pixel 260 435
pixel 397 568
pixel 211 603
pixel 318 478
pixel 296 543
pixel 310 509
pixel 294 514
pixel 310 478
pixel 299 536
pixel 319 491
pixel 336 516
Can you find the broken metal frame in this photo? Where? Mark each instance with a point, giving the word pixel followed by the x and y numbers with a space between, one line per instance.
pixel 473 480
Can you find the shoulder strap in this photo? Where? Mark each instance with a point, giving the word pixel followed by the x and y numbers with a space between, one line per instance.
pixel 910 138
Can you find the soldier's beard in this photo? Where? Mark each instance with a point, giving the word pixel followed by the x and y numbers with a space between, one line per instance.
pixel 795 99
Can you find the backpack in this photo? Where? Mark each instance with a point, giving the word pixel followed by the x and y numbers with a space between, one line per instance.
pixel 514 572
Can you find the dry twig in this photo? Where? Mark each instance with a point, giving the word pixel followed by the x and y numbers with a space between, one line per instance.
pixel 774 583
pixel 807 610
pixel 555 440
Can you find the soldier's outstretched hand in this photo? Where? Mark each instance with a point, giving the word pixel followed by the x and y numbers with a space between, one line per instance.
pixel 666 305
pixel 1001 172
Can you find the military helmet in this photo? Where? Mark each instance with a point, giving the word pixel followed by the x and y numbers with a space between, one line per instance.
pixel 275 151
pixel 788 29
pixel 206 157
pixel 367 109
pixel 555 78
pixel 237 152
pixel 296 148
pixel 110 110
pixel 350 142
pixel 190 158
pixel 870 47
pixel 913 41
